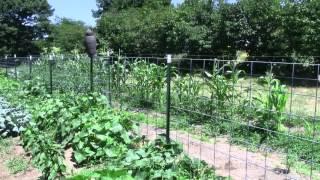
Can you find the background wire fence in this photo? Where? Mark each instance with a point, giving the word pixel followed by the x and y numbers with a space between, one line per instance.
pixel 249 119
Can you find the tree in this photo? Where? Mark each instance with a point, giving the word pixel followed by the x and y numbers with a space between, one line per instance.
pixel 68 35
pixel 22 23
pixel 117 5
pixel 107 5
pixel 262 22
pixel 139 29
pixel 199 22
pixel 301 27
pixel 260 27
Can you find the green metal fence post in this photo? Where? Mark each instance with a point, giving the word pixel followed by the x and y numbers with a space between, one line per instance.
pixel 50 73
pixel 91 73
pixel 6 58
pixel 15 66
pixel 109 78
pixel 30 67
pixel 169 61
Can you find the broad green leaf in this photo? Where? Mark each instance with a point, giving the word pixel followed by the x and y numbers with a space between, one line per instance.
pixel 79 157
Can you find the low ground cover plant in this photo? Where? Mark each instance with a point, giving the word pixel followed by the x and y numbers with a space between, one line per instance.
pixel 17 165
pixel 110 173
pixel 158 160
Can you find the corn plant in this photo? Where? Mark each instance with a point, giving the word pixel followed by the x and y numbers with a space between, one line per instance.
pixel 71 75
pixel 118 74
pixel 221 87
pixel 148 82
pixel 271 105
pixel 187 91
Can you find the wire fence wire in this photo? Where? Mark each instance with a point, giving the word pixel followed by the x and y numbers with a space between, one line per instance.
pixel 248 119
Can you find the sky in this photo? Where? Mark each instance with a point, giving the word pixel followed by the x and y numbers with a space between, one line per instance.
pixel 78 9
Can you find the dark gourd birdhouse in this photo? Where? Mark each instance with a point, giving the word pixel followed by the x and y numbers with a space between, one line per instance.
pixel 91 43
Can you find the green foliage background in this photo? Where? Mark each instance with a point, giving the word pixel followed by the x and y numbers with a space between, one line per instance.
pixel 23 25
pixel 275 27
pixel 211 27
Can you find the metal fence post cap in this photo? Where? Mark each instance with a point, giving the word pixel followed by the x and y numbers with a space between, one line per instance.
pixel 169 58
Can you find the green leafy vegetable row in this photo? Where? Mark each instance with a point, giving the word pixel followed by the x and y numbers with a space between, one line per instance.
pixel 98 136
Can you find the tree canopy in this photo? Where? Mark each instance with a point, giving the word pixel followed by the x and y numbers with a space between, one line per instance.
pixel 22 23
pixel 68 34
pixel 260 27
pixel 117 5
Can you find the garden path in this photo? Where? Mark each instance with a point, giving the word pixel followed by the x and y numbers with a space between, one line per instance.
pixel 228 160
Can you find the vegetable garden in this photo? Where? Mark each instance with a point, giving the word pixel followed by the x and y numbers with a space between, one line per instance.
pixel 238 119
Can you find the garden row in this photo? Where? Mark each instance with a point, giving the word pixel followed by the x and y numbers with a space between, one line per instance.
pixel 256 115
pixel 215 101
pixel 98 135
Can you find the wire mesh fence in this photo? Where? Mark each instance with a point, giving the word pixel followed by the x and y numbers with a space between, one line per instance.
pixel 248 119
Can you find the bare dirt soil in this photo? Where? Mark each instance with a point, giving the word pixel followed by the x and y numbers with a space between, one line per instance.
pixel 16 150
pixel 230 160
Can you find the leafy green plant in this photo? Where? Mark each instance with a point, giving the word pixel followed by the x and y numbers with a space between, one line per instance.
pixel 105 135
pixel 160 160
pixel 271 105
pixel 61 115
pixel 17 165
pixel 7 84
pixel 5 145
pixel 187 90
pixel 224 100
pixel 34 87
pixel 119 75
pixel 154 161
pixel 149 81
pixel 223 88
pixel 53 127
pixel 105 174
pixel 195 169
pixel 12 120
pixel 47 155
pixel 186 93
